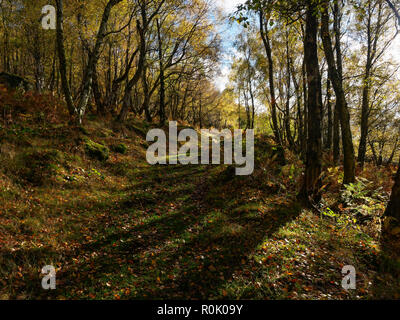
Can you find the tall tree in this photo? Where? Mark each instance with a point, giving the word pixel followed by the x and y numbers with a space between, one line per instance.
pixel 94 55
pixel 337 81
pixel 393 208
pixel 312 177
pixel 264 18
pixel 375 18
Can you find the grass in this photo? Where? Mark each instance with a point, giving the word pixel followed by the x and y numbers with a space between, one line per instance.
pixel 122 229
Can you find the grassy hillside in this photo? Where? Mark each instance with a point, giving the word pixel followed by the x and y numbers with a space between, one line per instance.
pixel 86 201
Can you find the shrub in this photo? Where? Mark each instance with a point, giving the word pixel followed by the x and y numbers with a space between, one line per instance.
pixel 120 148
pixel 40 108
pixel 266 151
pixel 40 165
pixel 363 199
pixel 13 81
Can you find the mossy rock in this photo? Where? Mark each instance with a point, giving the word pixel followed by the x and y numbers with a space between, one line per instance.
pixel 120 148
pixel 96 150
pixel 40 165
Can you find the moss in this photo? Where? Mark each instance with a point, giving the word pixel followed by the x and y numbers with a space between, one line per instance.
pixel 96 150
pixel 120 148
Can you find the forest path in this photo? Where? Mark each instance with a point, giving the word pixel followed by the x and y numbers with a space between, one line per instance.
pixel 192 232
pixel 178 232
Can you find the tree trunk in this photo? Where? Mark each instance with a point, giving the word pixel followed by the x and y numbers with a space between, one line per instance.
pixel 91 65
pixel 146 97
pixel 289 136
pixel 390 160
pixel 300 133
pixel 328 142
pixel 305 131
pixel 267 45
pixel 362 147
pixel 393 208
pixel 336 136
pixel 93 59
pixel 97 95
pixel 344 115
pixel 62 59
pixel 162 77
pixel 372 41
pixel 239 120
pixel 312 178
pixel 136 77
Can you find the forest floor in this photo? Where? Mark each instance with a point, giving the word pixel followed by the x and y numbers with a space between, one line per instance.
pixel 122 229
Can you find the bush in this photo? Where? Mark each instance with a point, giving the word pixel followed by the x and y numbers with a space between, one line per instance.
pixel 40 165
pixel 15 104
pixel 96 150
pixel 13 81
pixel 120 148
pixel 363 199
pixel 265 150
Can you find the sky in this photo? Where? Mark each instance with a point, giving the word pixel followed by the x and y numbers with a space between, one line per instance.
pixel 228 5
pixel 228 34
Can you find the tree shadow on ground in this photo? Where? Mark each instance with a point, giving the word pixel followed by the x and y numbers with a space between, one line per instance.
pixel 181 237
pixel 189 251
